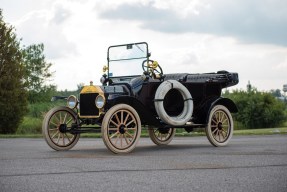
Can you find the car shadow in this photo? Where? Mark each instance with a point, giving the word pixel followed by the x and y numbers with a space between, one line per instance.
pixel 140 150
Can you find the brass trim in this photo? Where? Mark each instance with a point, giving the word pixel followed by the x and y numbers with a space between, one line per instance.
pixel 91 116
pixel 91 89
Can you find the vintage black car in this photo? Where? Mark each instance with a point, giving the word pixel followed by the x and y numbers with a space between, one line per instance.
pixel 136 93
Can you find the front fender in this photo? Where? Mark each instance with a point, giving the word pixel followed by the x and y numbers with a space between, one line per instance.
pixel 146 116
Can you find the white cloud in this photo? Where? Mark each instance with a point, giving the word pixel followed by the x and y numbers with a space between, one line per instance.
pixel 253 21
pixel 76 35
pixel 41 26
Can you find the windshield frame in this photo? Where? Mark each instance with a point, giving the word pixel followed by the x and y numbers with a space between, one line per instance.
pixel 128 46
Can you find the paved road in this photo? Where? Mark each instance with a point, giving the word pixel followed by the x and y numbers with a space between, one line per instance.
pixel 253 163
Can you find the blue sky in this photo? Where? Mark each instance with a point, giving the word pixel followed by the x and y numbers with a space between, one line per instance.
pixel 195 36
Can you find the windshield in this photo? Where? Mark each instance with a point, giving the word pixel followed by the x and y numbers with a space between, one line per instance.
pixel 126 60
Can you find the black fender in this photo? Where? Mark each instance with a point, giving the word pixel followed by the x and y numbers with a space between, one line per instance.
pixel 228 103
pixel 146 116
pixel 202 114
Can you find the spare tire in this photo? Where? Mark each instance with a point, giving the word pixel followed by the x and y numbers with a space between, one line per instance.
pixel 161 92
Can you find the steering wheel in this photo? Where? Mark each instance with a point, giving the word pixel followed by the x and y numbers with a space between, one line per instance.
pixel 152 69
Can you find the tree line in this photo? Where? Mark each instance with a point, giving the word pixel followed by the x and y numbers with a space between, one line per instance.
pixel 258 109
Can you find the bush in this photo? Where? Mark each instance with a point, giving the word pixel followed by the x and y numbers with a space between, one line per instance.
pixel 38 110
pixel 257 109
pixel 30 125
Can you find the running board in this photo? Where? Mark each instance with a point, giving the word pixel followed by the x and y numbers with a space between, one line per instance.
pixel 90 130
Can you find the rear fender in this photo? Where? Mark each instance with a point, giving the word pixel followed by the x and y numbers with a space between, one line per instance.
pixel 228 103
pixel 202 114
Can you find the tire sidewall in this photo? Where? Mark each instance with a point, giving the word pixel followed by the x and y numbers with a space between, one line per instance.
pixel 105 123
pixel 160 94
pixel 45 131
pixel 155 139
pixel 208 130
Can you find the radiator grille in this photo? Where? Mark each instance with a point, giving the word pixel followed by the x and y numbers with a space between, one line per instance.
pixel 87 104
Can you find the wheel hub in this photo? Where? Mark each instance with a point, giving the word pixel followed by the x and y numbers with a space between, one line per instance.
pixel 63 128
pixel 122 129
pixel 220 126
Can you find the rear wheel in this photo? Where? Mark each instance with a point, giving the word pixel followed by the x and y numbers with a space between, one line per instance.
pixel 220 126
pixel 161 136
pixel 55 124
pixel 121 128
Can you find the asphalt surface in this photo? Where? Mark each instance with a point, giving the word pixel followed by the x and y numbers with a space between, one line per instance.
pixel 250 163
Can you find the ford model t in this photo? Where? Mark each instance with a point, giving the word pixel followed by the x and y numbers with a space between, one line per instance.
pixel 136 93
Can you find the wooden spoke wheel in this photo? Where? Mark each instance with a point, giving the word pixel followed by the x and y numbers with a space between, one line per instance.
pixel 121 128
pixel 220 126
pixel 161 136
pixel 55 125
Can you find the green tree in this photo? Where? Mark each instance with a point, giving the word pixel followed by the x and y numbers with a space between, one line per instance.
pixel 37 74
pixel 276 93
pixel 257 109
pixel 13 95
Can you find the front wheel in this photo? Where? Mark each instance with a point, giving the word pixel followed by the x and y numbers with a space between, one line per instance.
pixel 220 126
pixel 121 128
pixel 55 124
pixel 161 136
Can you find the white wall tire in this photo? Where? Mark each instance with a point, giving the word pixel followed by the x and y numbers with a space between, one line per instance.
pixel 51 132
pixel 161 138
pixel 161 92
pixel 121 128
pixel 220 126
